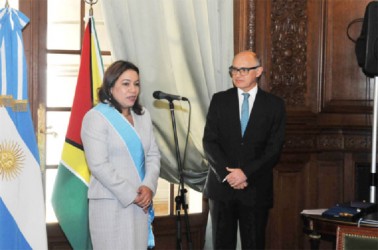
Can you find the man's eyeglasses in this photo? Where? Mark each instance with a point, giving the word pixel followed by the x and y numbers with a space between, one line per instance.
pixel 243 71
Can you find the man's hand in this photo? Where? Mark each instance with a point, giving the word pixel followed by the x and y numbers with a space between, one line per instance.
pixel 241 186
pixel 236 178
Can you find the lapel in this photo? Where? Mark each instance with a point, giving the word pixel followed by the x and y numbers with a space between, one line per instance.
pixel 234 113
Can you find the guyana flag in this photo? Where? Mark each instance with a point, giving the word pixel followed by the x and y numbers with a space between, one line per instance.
pixel 69 198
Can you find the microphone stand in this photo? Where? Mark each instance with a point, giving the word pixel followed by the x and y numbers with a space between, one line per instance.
pixel 373 197
pixel 180 199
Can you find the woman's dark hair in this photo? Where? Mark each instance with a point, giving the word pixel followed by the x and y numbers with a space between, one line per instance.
pixel 110 77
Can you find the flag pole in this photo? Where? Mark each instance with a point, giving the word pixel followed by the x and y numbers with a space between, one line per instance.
pixel 69 197
pixel 91 3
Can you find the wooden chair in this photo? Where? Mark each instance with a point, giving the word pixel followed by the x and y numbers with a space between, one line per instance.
pixel 356 238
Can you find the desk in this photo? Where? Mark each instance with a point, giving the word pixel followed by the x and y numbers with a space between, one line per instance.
pixel 316 227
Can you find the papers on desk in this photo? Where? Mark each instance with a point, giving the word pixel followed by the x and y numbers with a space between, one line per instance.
pixel 318 211
pixel 368 222
pixel 370 219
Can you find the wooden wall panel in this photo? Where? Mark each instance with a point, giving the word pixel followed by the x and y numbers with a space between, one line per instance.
pixel 243 20
pixel 165 231
pixel 34 36
pixel 310 62
pixel 284 229
pixel 329 183
pixel 56 238
pixel 344 86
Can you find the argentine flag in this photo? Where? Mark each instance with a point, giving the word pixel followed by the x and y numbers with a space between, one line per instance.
pixel 22 210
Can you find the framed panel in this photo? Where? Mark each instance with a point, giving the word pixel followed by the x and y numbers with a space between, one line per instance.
pixel 345 88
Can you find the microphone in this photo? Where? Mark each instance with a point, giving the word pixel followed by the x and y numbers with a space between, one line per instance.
pixel 161 95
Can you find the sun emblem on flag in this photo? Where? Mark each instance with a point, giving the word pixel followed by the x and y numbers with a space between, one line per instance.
pixel 11 159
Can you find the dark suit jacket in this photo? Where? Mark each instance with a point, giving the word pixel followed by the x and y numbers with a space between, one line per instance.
pixel 256 153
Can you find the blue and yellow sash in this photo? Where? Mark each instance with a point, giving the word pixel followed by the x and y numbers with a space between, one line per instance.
pixel 134 146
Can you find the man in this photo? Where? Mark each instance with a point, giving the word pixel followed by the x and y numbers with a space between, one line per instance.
pixel 240 180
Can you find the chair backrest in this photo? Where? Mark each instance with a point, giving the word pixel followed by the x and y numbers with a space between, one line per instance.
pixel 358 238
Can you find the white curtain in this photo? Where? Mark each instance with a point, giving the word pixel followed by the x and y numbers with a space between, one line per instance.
pixel 182 47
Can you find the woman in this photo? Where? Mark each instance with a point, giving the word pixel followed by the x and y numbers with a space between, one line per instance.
pixel 124 160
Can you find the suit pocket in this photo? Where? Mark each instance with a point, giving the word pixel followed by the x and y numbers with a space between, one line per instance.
pixel 98 191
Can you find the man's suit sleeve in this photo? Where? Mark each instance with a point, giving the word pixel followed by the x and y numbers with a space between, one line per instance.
pixel 213 151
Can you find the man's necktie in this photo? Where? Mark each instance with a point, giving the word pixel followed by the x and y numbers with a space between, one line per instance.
pixel 244 112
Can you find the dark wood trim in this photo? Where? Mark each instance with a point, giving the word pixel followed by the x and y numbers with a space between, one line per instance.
pixel 34 36
pixel 244 25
